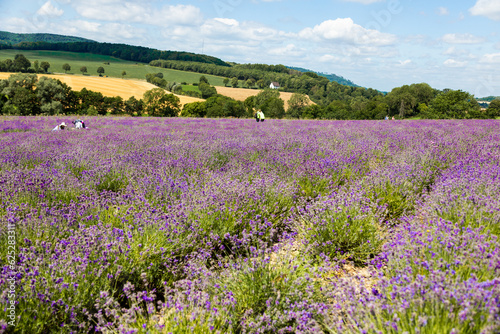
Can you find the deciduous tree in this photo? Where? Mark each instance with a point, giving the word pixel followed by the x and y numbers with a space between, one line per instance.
pixel 234 82
pixel 296 105
pixel 160 104
pixel 194 109
pixel 45 66
pixel 66 67
pixel 21 63
pixel 455 104
pixel 493 110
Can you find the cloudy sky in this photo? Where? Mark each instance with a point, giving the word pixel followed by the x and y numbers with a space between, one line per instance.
pixel 380 44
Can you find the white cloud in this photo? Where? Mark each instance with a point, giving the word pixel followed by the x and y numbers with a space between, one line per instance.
pixel 462 39
pixel 232 30
pixel 49 10
pixel 347 31
pixel 288 50
pixel 229 22
pixel 84 26
pixel 119 11
pixel 454 52
pixel 327 58
pixel 443 11
pixel 403 63
pixel 454 63
pixel 490 58
pixel 488 8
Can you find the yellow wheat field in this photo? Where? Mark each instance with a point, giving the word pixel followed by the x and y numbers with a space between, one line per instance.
pixel 131 87
pixel 111 87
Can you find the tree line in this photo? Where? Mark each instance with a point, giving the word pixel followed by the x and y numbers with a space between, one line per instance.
pixel 26 95
pixel 333 101
pixel 23 65
pixel 121 51
pixel 336 101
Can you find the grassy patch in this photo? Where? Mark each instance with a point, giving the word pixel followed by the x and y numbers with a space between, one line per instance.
pixel 342 233
pixel 115 68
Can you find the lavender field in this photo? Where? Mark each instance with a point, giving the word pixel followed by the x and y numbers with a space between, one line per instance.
pixel 171 225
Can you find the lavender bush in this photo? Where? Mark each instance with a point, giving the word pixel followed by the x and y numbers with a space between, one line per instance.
pixel 147 225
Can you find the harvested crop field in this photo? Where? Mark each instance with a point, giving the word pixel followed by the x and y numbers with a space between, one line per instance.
pixel 125 88
pixel 241 94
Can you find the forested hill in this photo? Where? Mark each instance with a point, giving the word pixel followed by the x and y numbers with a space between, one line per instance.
pixel 13 38
pixel 330 76
pixel 122 51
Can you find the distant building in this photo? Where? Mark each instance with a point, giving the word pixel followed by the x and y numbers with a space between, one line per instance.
pixel 274 85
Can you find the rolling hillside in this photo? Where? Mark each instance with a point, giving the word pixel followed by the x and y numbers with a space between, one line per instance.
pixel 113 66
pixel 330 76
pixel 13 38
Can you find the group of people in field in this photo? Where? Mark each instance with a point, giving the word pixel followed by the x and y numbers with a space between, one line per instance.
pixel 259 116
pixel 79 124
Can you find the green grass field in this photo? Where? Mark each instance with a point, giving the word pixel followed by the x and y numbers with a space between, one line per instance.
pixel 115 68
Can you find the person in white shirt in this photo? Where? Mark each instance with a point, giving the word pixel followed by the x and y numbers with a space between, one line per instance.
pixel 61 126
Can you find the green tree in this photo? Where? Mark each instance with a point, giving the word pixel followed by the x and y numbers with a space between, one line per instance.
pixel 90 98
pixel 455 104
pixel 83 69
pixel 133 107
pixel 100 70
pixel 267 100
pixel 207 90
pixel 114 105
pixel 225 81
pixel 51 94
pixel 194 109
pixel 234 82
pixel 66 68
pixel 24 103
pixel 21 63
pixel 160 104
pixel 493 110
pixel 402 101
pixel 223 106
pixel 36 66
pixel 45 66
pixel 124 74
pixel 296 105
pixel 312 112
pixel 250 82
pixel 249 104
pixel 91 111
pixel 204 80
pixel 337 109
pixel 17 95
pixel 273 107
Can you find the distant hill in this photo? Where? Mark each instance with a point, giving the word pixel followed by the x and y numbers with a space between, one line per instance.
pixel 13 38
pixel 329 76
pixel 122 51
pixel 488 98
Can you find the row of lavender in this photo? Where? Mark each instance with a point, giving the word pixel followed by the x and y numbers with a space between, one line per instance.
pixel 170 225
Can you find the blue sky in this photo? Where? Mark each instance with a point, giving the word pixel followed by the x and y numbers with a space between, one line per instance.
pixel 380 44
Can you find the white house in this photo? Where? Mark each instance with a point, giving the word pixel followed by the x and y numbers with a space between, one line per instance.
pixel 274 85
